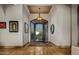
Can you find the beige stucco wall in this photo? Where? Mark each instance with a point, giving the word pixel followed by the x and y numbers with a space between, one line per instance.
pixel 60 17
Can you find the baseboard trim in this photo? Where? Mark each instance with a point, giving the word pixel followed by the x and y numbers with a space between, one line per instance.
pixel 15 46
pixel 11 46
pixel 27 44
pixel 64 46
pixel 61 46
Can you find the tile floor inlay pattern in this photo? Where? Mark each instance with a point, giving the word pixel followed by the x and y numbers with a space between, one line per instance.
pixel 34 49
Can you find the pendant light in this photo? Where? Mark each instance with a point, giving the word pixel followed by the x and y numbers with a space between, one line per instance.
pixel 39 17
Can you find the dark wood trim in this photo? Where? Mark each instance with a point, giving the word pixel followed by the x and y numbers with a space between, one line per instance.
pixel 78 23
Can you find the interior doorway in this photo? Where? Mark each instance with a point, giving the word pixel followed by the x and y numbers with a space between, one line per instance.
pixel 78 23
pixel 39 30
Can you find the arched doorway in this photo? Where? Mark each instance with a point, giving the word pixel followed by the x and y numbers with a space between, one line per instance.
pixel 39 30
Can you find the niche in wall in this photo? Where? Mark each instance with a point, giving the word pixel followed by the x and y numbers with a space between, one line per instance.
pixel 26 26
pixel 52 28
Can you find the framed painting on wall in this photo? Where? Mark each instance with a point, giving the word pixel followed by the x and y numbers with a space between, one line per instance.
pixel 13 26
pixel 26 27
pixel 2 25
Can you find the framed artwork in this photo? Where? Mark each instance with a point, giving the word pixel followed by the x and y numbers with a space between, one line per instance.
pixel 2 25
pixel 13 26
pixel 26 27
pixel 52 28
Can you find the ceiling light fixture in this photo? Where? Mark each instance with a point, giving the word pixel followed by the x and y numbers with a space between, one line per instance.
pixel 39 17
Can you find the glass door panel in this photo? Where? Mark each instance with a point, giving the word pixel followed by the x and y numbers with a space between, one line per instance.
pixel 39 32
pixel 32 32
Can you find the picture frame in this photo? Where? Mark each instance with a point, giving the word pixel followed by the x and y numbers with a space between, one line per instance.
pixel 13 26
pixel 52 29
pixel 26 27
pixel 2 25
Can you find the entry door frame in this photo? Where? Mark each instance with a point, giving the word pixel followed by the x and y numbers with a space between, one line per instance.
pixel 43 32
pixel 78 23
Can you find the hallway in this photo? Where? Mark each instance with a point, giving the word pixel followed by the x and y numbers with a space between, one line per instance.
pixel 34 49
pixel 23 23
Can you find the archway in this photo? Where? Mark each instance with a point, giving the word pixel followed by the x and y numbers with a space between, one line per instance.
pixel 39 30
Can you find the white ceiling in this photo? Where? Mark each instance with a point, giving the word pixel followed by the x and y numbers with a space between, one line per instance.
pixel 43 8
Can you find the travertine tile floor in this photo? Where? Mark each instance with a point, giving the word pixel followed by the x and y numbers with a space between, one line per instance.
pixel 36 49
